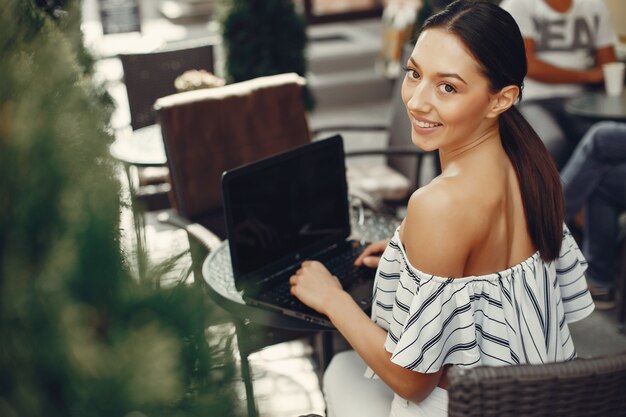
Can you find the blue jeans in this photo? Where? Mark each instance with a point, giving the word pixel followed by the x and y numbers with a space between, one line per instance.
pixel 595 179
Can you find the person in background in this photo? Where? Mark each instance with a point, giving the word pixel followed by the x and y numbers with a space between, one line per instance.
pixel 594 179
pixel 481 270
pixel 567 41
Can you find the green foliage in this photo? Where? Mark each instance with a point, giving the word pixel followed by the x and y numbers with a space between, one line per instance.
pixel 263 38
pixel 79 336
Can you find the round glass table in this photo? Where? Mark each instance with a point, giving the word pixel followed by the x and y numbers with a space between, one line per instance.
pixel 217 273
pixel 598 106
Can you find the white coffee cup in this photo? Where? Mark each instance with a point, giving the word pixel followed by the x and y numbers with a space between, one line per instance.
pixel 614 78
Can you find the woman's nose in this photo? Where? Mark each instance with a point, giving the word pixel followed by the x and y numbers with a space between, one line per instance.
pixel 419 99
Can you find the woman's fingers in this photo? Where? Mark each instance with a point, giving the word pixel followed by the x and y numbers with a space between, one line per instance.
pixel 371 261
pixel 371 249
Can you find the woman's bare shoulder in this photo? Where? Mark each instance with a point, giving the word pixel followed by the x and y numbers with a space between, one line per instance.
pixel 437 232
pixel 449 199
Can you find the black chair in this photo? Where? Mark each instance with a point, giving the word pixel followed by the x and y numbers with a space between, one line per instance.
pixel 578 388
pixel 149 76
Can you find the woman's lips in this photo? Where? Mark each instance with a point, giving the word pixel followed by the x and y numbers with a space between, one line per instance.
pixel 424 126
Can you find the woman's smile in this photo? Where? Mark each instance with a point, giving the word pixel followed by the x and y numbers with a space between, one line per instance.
pixel 423 126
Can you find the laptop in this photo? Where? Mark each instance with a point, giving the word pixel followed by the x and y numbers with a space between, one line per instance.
pixel 283 210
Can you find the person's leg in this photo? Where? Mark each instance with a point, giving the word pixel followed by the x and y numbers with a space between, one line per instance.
pixel 573 126
pixel 601 230
pixel 349 393
pixel 545 123
pixel 602 146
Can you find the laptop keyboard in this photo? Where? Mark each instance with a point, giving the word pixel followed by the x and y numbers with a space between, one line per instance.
pixel 341 265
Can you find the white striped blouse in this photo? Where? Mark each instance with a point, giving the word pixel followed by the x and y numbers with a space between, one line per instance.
pixel 515 316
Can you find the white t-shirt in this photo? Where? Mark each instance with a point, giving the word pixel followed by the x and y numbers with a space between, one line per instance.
pixel 567 40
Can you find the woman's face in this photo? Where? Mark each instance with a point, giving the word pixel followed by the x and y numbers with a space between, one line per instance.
pixel 446 95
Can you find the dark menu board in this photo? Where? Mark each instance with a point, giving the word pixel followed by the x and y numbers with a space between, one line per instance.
pixel 119 16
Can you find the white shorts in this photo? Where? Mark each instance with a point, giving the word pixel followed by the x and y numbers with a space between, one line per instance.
pixel 349 393
pixel 435 405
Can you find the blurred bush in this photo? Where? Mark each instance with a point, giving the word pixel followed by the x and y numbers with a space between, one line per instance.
pixel 263 38
pixel 78 335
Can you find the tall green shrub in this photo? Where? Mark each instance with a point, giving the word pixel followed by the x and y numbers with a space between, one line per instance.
pixel 79 336
pixel 263 38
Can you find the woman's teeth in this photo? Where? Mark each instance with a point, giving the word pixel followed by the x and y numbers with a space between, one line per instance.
pixel 426 124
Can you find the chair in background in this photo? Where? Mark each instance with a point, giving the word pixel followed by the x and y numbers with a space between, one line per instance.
pixel 387 187
pixel 206 132
pixel 147 77
pixel 578 388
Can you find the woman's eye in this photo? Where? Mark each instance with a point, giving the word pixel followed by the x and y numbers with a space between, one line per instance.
pixel 411 73
pixel 447 88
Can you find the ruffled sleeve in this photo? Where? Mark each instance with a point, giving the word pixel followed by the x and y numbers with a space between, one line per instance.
pixel 432 322
pixel 433 333
pixel 570 271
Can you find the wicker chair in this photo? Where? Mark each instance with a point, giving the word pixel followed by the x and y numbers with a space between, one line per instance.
pixel 579 388
pixel 206 132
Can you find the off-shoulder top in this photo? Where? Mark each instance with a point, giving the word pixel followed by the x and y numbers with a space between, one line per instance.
pixel 519 315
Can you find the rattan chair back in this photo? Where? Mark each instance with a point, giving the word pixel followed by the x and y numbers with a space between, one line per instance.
pixel 208 131
pixel 578 388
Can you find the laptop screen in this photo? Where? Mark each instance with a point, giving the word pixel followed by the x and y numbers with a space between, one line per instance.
pixel 281 209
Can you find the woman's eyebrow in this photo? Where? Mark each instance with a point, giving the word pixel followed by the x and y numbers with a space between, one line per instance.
pixel 442 74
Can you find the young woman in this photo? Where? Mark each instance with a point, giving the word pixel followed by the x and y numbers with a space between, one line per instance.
pixel 481 271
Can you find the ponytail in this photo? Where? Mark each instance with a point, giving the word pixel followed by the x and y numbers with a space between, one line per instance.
pixel 501 54
pixel 539 181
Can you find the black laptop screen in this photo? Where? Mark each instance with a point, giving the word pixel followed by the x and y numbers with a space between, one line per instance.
pixel 279 209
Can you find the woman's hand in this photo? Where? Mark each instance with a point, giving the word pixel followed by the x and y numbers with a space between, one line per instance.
pixel 369 257
pixel 314 285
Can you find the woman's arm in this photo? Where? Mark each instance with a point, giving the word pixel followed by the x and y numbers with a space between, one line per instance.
pixel 430 217
pixel 314 286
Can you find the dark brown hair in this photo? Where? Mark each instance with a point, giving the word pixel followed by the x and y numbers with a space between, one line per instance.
pixel 491 35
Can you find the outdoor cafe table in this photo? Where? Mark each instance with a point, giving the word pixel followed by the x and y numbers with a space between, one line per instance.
pixel 218 275
pixel 143 148
pixel 597 106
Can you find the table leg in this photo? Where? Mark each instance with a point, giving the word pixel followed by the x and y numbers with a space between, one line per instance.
pixel 327 349
pixel 323 350
pixel 620 290
pixel 138 221
pixel 246 373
